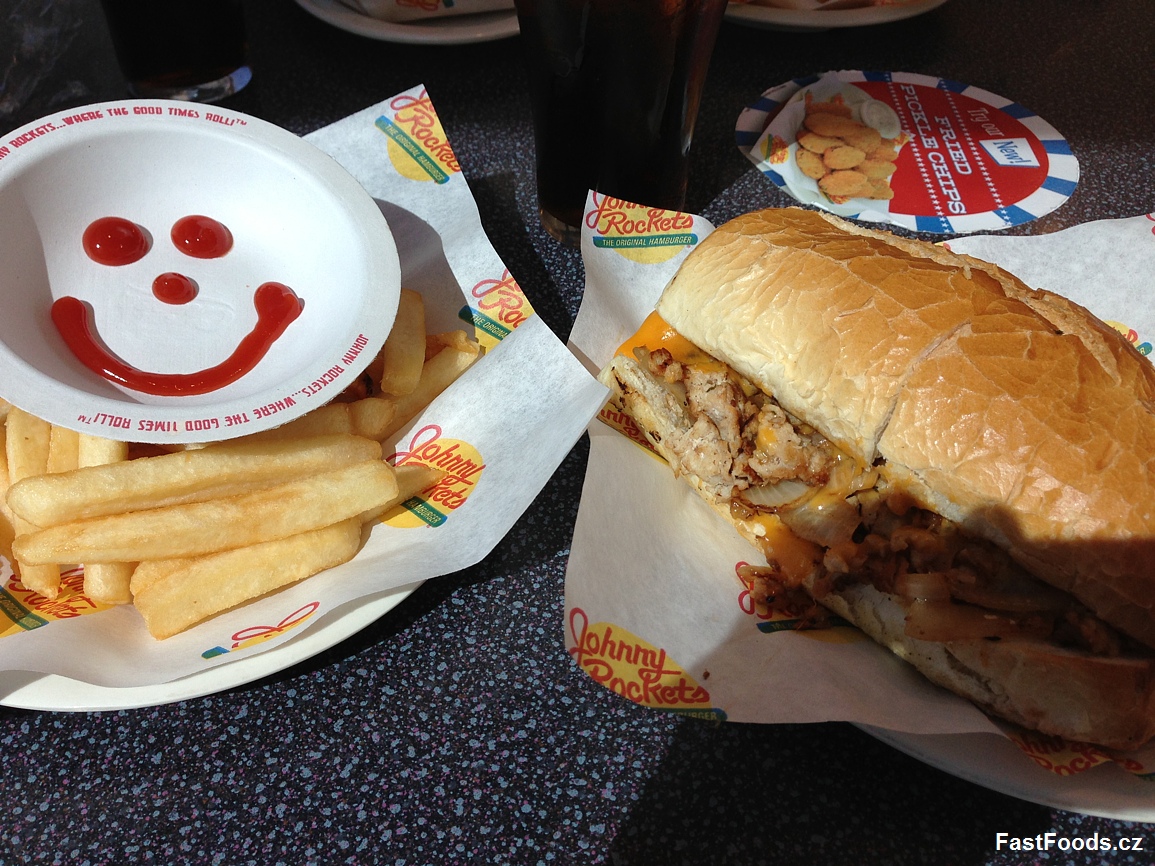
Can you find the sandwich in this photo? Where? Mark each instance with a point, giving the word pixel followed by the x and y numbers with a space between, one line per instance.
pixel 917 442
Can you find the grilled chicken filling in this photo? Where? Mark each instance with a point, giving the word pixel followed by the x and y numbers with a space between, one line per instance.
pixel 752 454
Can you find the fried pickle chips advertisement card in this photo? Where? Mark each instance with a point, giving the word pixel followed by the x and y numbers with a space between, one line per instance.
pixel 493 438
pixel 656 607
pixel 924 153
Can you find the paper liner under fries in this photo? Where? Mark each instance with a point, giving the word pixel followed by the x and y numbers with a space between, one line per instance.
pixel 655 609
pixel 499 432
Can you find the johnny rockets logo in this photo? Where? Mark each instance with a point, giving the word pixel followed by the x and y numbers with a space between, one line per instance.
pixel 116 242
pixel 625 424
pixel 1060 756
pixel 499 307
pixel 643 234
pixel 635 669
pixel 1066 758
pixel 23 610
pixel 417 144
pixel 461 465
pixel 1132 337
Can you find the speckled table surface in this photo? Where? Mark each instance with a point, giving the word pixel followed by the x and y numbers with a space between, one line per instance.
pixel 456 729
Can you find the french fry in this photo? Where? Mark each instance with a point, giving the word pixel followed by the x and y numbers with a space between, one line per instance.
pixel 372 416
pixel 104 582
pixel 26 447
pixel 63 449
pixel 375 371
pixel 197 528
pixel 366 417
pixel 180 477
pixel 155 570
pixel 107 582
pixel 404 352
pixel 7 518
pixel 96 450
pixel 327 420
pixel 411 480
pixel 439 373
pixel 196 589
pixel 459 340
pixel 28 444
pixel 43 580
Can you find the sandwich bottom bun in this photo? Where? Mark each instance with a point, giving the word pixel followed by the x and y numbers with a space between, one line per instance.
pixel 1070 694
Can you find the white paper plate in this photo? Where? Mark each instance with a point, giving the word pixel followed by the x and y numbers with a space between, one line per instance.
pixel 32 691
pixel 772 18
pixel 995 762
pixel 298 221
pixel 451 30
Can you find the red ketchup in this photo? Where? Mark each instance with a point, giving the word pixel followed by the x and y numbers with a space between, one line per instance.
pixel 277 306
pixel 201 237
pixel 115 241
pixel 174 288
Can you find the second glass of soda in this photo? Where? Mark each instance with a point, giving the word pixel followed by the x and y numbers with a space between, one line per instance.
pixel 170 50
pixel 615 87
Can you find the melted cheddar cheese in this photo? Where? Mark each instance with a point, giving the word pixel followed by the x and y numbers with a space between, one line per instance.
pixel 656 333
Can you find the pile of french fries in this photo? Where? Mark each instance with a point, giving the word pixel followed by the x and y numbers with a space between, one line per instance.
pixel 189 533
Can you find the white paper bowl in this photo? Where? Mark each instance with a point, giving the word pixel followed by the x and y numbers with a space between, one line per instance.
pixel 296 217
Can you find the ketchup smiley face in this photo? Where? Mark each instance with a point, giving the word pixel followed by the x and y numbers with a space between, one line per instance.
pixel 113 242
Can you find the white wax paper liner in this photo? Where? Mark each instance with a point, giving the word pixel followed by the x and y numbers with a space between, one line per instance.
pixel 651 590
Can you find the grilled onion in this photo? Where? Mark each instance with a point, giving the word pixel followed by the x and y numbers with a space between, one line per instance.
pixel 774 496
pixel 927 586
pixel 944 621
pixel 1007 590
pixel 825 519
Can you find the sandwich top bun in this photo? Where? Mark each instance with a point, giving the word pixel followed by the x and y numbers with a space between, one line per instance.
pixel 1010 411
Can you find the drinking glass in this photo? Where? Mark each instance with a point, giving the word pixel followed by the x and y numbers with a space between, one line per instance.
pixel 615 87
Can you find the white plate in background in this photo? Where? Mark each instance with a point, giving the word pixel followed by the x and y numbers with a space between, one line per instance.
pixel 804 20
pixel 450 30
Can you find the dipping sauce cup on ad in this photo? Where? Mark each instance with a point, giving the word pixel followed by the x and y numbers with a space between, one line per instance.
pixel 188 51
pixel 615 87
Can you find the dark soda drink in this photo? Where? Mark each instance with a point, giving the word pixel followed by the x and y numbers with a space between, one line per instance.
pixel 187 50
pixel 615 87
